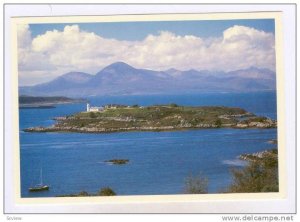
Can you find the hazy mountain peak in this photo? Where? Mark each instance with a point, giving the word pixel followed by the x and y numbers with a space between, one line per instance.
pixel 76 76
pixel 118 66
pixel 254 73
pixel 192 70
pixel 173 72
pixel 120 78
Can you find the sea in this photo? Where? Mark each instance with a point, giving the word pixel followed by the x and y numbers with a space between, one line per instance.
pixel 159 162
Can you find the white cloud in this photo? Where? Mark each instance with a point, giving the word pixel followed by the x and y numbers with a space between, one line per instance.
pixel 24 36
pixel 56 52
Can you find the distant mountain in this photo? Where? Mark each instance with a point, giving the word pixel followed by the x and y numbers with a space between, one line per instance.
pixel 122 79
pixel 62 85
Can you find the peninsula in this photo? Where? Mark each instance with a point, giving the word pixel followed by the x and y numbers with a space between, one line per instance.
pixel 120 118
pixel 45 101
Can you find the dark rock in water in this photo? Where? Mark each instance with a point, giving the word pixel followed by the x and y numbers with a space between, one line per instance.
pixel 117 161
pixel 273 141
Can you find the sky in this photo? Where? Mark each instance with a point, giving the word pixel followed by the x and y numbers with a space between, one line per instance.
pixel 46 51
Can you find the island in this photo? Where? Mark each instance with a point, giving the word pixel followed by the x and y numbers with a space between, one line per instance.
pixel 44 102
pixel 120 118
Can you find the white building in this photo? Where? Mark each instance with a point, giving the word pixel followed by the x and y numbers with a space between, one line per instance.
pixel 93 108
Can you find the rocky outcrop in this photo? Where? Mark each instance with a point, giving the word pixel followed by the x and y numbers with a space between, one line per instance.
pixel 117 161
pixel 258 155
pixel 253 123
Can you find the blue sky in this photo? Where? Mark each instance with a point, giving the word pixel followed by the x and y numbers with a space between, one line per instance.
pixel 133 31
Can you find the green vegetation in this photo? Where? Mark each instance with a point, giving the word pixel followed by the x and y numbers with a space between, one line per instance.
pixel 92 115
pixel 196 184
pixel 80 194
pixel 163 115
pixel 260 175
pixel 105 191
pixel 118 161
pixel 218 123
pixel 83 194
pixel 173 105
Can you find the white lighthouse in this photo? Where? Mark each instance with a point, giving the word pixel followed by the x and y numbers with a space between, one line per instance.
pixel 94 108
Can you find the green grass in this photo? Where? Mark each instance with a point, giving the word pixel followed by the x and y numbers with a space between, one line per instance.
pixel 153 116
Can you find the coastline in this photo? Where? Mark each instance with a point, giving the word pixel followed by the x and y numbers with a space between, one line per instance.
pixel 43 102
pixel 52 104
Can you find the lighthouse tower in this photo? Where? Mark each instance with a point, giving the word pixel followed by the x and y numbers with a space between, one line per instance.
pixel 87 107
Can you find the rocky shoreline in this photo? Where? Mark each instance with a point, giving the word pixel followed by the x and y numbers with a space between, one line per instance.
pixel 258 155
pixel 164 128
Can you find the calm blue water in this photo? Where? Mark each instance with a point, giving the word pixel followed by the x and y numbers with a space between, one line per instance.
pixel 159 161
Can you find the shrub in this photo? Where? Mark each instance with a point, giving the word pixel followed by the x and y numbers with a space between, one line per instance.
pixel 92 115
pixel 260 175
pixel 173 105
pixel 196 184
pixel 83 194
pixel 106 191
pixel 218 123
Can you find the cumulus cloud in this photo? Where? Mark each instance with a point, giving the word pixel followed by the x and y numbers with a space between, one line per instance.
pixel 24 36
pixel 56 52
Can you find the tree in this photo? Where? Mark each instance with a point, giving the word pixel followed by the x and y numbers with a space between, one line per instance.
pixel 106 191
pixel 196 184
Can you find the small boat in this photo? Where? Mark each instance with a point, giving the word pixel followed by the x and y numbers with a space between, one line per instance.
pixel 39 187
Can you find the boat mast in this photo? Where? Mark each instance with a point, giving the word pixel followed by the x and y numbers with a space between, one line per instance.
pixel 41 176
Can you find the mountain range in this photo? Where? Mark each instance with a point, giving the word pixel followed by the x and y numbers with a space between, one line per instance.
pixel 122 79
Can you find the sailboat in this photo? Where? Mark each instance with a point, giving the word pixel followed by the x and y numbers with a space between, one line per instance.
pixel 41 186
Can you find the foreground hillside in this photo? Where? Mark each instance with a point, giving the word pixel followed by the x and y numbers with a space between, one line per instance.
pixel 156 118
pixel 259 175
